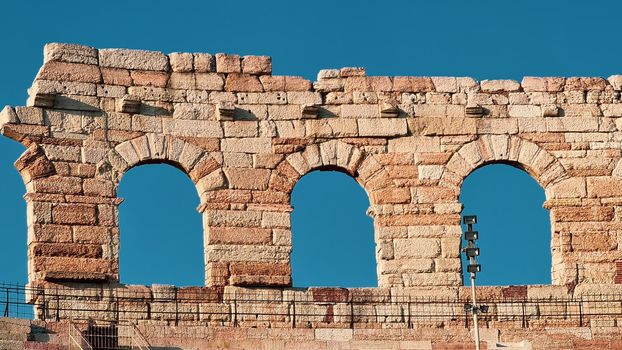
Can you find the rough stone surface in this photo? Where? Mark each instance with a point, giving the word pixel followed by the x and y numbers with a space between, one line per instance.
pixel 244 139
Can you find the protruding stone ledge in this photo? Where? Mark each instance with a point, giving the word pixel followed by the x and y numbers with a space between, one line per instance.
pixel 41 100
pixel 128 105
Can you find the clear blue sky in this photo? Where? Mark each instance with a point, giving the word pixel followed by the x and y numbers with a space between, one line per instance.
pixel 483 39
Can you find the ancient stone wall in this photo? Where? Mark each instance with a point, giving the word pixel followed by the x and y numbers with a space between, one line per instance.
pixel 244 137
pixel 53 336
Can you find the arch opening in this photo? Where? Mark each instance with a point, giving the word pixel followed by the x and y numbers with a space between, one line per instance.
pixel 161 234
pixel 14 250
pixel 332 236
pixel 514 228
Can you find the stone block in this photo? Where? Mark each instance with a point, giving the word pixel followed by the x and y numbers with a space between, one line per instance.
pixel 417 248
pixel 524 111
pixel 233 218
pixel 585 83
pixel 431 126
pixel 571 214
pixel 603 187
pixel 550 84
pixel 257 65
pixel 249 253
pixel 228 63
pixel 616 82
pixel 496 86
pixel 247 145
pixel 209 81
pixel 284 112
pixel 193 111
pixel 133 59
pixel 391 196
pixel 74 214
pixel 72 53
pixel 63 71
pixel 445 84
pixel 275 220
pixel 181 81
pixel 328 74
pixel 272 83
pixel 149 78
pixel 238 235
pixel 569 188
pixel 252 179
pixel 204 63
pixel 293 83
pixel 243 82
pixel 386 127
pixel 194 128
pixel 181 62
pixel 116 76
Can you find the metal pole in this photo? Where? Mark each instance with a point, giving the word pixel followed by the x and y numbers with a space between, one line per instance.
pixel 474 297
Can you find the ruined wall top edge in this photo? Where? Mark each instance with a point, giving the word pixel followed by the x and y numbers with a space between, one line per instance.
pixel 124 67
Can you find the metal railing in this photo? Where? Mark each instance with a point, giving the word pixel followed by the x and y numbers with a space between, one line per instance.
pixel 76 339
pixel 138 341
pixel 296 308
pixel 102 335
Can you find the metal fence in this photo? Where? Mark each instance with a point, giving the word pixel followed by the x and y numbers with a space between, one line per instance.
pixel 107 336
pixel 297 308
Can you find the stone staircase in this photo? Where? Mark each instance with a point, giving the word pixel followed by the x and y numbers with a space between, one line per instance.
pixel 13 333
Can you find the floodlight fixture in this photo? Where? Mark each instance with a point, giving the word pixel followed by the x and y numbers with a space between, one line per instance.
pixel 474 268
pixel 468 307
pixel 469 219
pixel 472 252
pixel 471 235
pixel 483 309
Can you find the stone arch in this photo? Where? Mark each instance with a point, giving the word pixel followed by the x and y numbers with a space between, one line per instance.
pixel 337 155
pixel 509 149
pixel 331 155
pixel 199 165
pixel 512 150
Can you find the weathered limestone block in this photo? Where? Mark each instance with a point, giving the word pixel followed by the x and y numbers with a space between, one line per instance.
pixel 181 62
pixel 249 253
pixel 116 76
pixel 543 84
pixel 204 63
pixel 71 53
pixel 431 126
pixel 149 78
pixel 133 59
pixel 417 247
pixel 252 179
pixel 228 63
pixel 257 65
pixel 247 145
pixel 242 82
pixel 63 71
pixel 238 235
pixel 181 81
pixel 382 127
pixel 585 83
pixel 499 85
pixel 194 128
